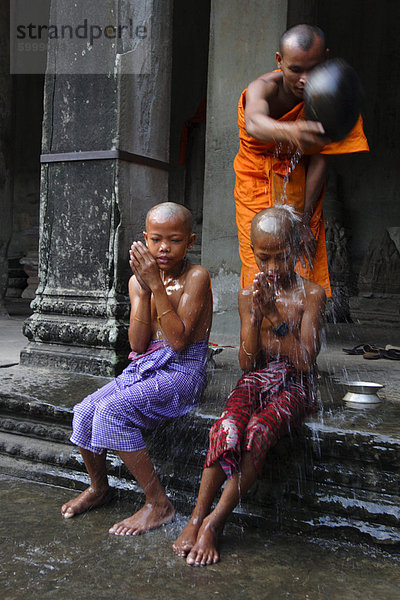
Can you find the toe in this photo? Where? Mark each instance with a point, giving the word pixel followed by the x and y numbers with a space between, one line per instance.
pixel 178 550
pixel 210 559
pixel 199 558
pixel 130 531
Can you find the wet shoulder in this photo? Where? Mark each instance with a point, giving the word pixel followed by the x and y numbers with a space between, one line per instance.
pixel 314 292
pixel 197 275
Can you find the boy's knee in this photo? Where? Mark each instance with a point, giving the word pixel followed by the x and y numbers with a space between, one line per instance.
pixel 104 410
pixel 83 411
pixel 228 427
pixel 257 426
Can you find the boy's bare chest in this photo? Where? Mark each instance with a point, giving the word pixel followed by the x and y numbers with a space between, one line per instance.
pixel 174 290
pixel 291 310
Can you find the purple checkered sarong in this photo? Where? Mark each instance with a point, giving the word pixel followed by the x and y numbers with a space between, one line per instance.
pixel 156 386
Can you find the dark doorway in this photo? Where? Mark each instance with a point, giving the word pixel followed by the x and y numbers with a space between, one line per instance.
pixel 191 24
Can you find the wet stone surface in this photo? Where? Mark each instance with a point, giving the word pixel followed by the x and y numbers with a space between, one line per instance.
pixel 45 556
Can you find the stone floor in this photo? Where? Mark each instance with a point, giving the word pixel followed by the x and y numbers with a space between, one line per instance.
pixel 44 556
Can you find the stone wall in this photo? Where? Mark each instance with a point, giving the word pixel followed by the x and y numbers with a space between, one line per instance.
pixel 5 151
pixel 93 205
pixel 241 49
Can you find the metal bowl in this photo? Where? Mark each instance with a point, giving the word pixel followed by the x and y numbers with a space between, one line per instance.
pixel 333 96
pixel 362 392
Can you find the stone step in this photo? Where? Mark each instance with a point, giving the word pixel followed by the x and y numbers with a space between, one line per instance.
pixel 339 473
pixel 313 506
pixel 366 439
pixel 34 408
pixel 327 455
pixel 26 426
pixel 355 476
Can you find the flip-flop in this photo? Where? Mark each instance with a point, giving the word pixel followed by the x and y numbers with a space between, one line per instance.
pixel 360 349
pixel 390 347
pixel 391 353
pixel 373 355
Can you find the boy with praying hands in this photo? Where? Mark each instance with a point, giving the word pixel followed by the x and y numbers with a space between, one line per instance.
pixel 170 320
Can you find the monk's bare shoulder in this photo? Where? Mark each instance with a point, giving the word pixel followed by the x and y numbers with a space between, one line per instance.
pixel 265 87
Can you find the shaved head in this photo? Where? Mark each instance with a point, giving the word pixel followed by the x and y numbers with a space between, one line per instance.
pixel 167 211
pixel 303 36
pixel 279 221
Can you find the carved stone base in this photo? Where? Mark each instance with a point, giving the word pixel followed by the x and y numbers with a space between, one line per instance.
pixel 85 345
pixel 95 361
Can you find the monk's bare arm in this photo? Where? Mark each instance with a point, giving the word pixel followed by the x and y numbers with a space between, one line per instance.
pixel 179 325
pixel 303 350
pixel 257 118
pixel 260 125
pixel 250 325
pixel 314 184
pixel 140 316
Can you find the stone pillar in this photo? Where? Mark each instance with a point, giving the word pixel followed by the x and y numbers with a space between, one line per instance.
pixel 5 150
pixel 105 154
pixel 241 49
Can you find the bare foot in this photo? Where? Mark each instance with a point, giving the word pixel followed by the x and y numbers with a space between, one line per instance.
pixel 204 551
pixel 89 498
pixel 149 517
pixel 187 539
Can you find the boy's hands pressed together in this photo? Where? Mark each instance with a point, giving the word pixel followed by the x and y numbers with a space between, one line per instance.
pixel 144 266
pixel 264 304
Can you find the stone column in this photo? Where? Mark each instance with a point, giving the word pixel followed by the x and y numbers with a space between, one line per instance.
pixel 241 49
pixel 105 154
pixel 5 150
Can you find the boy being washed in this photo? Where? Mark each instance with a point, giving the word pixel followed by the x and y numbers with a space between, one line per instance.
pixel 281 317
pixel 170 320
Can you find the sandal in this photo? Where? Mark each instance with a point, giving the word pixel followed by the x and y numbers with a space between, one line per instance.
pixel 390 347
pixel 373 354
pixel 391 352
pixel 360 349
pixel 356 350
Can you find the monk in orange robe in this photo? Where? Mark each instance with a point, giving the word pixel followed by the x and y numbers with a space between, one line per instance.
pixel 282 157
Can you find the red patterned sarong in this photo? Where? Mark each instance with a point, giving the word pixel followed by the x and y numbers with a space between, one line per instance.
pixel 264 406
